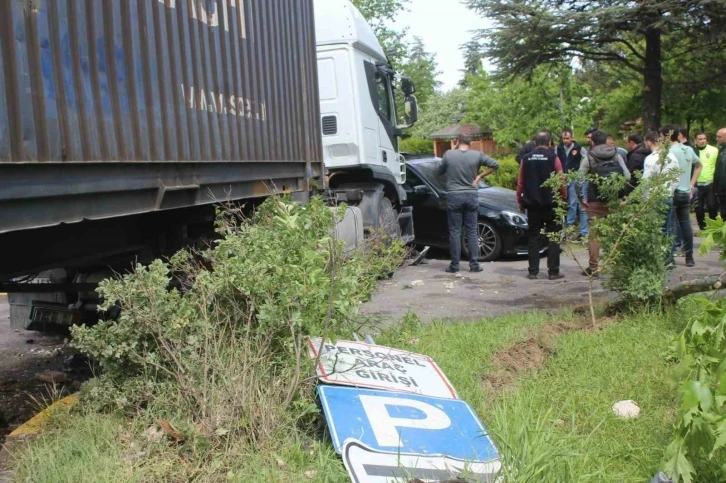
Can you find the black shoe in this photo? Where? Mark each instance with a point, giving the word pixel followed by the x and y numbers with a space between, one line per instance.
pixel 690 262
pixel 532 276
pixel 589 272
pixel 556 276
pixel 477 270
pixel 452 270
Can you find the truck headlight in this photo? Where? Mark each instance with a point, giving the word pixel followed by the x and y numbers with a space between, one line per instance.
pixel 516 219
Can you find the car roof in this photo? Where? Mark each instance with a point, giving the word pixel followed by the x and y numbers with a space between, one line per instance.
pixel 423 160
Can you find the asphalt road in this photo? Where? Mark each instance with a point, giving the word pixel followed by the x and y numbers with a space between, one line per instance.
pixel 500 289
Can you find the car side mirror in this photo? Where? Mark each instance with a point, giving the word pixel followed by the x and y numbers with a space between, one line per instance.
pixel 421 190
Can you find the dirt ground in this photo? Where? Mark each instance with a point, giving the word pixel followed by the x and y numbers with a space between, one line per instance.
pixel 23 354
pixel 501 288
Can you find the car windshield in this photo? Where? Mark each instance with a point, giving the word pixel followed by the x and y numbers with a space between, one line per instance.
pixel 430 171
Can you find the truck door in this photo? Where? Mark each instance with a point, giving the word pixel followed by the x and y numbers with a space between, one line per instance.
pixel 388 141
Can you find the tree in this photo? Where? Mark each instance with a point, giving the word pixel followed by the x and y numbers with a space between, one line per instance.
pixel 411 59
pixel 420 66
pixel 380 14
pixel 695 97
pixel 440 111
pixel 630 34
pixel 473 58
pixel 517 109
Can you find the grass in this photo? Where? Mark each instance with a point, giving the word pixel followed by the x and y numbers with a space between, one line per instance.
pixel 554 424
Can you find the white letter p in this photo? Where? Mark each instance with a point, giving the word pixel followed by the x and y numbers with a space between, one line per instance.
pixel 384 426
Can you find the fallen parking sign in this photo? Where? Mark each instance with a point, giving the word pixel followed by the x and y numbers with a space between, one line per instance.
pixel 366 465
pixel 377 367
pixel 406 423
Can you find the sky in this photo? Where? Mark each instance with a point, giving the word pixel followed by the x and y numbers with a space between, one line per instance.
pixel 444 25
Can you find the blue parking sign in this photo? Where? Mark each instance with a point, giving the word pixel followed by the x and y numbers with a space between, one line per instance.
pixel 405 423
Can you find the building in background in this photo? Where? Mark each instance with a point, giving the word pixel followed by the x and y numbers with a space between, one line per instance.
pixel 481 139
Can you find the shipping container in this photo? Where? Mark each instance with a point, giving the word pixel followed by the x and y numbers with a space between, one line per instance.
pixel 115 107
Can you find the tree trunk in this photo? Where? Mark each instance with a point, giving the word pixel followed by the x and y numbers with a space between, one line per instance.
pixel 706 284
pixel 652 80
pixel 671 295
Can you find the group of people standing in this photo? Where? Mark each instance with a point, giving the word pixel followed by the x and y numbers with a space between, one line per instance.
pixel 701 172
pixel 702 175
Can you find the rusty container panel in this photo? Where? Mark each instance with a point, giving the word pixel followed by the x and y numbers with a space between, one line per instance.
pixel 158 81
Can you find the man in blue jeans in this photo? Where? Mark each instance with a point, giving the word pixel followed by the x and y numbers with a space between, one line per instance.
pixel 570 154
pixel 690 165
pixel 461 168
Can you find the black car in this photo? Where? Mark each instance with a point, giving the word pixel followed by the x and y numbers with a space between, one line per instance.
pixel 502 227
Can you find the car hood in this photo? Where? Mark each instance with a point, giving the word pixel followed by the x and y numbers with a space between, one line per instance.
pixel 499 198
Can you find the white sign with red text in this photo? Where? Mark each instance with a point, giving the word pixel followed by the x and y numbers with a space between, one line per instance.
pixel 377 367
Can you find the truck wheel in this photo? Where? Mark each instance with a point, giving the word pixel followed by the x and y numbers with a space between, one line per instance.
pixel 388 220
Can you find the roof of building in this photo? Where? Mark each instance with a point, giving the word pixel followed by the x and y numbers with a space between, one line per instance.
pixel 456 129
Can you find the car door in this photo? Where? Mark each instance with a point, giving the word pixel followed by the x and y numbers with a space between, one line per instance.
pixel 429 211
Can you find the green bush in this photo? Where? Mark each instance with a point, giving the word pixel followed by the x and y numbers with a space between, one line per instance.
pixel 507 174
pixel 699 439
pixel 227 348
pixel 638 273
pixel 417 146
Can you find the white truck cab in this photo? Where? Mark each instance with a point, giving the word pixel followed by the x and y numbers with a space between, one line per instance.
pixel 359 119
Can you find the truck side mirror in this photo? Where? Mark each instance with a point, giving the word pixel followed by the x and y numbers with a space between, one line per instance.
pixel 407 86
pixel 410 108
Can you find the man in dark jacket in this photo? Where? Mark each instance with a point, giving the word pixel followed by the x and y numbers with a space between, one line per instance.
pixel 535 170
pixel 570 154
pixel 719 181
pixel 603 161
pixel 636 157
pixel 529 147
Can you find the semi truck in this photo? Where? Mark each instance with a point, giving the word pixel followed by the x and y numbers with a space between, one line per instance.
pixel 124 123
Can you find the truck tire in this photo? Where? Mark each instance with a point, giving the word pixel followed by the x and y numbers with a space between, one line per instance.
pixel 388 220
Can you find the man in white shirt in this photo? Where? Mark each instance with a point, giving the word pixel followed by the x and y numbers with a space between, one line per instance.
pixel 652 166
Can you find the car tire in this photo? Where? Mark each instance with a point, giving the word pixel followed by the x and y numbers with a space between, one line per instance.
pixel 490 243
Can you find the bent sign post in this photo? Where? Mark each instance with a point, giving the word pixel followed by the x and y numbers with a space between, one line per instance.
pixel 377 367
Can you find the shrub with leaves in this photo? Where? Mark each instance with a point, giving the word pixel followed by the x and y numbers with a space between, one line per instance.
pixel 634 247
pixel 700 431
pixel 507 174
pixel 220 334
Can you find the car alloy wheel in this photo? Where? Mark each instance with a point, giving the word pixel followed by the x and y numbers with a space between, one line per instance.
pixel 490 242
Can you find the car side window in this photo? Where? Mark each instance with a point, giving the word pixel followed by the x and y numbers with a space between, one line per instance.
pixel 412 180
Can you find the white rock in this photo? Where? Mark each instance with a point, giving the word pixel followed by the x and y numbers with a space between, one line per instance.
pixel 626 409
pixel 449 285
pixel 417 283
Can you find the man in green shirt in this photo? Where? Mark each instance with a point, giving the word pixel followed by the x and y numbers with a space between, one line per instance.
pixel 704 185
